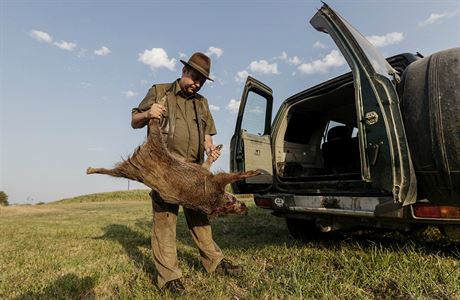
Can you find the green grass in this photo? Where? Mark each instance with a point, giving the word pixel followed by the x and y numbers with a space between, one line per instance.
pixel 98 246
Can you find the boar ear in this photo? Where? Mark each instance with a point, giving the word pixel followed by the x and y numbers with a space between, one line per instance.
pixel 226 178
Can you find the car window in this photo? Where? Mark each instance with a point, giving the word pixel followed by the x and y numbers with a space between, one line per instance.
pixel 254 114
pixel 378 62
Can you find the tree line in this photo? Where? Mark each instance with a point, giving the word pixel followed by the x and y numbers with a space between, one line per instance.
pixel 3 198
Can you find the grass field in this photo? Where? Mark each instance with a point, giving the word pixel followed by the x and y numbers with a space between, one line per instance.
pixel 98 246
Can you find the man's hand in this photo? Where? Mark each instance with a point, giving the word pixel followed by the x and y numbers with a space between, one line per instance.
pixel 212 151
pixel 156 111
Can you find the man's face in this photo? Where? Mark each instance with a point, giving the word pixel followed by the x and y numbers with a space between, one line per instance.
pixel 191 81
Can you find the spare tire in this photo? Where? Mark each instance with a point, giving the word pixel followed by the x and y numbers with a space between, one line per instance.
pixel 431 111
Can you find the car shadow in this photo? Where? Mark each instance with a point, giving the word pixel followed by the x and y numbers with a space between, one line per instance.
pixel 69 286
pixel 428 242
pixel 260 229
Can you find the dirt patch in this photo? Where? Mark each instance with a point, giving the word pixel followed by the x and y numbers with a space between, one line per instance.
pixel 26 210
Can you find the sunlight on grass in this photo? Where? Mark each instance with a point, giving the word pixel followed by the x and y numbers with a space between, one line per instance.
pixel 98 246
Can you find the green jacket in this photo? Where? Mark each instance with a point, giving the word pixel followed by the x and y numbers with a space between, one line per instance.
pixel 166 94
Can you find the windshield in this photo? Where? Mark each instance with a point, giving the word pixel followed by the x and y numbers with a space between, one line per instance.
pixel 378 62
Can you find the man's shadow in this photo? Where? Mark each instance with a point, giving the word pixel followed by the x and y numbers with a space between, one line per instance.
pixel 69 286
pixel 131 241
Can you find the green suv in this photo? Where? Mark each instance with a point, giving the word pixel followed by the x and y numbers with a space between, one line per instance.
pixel 377 147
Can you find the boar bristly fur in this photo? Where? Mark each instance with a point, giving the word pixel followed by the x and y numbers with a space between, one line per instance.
pixel 178 182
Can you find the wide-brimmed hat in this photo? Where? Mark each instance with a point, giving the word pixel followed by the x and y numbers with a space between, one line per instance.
pixel 201 63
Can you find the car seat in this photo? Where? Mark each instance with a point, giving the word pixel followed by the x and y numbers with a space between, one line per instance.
pixel 340 151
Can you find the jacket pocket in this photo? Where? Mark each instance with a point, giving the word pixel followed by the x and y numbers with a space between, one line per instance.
pixel 203 123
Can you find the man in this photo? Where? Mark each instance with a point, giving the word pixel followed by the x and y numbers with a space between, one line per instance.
pixel 187 128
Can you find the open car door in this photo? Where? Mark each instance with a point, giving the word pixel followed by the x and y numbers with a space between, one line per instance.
pixel 385 157
pixel 250 147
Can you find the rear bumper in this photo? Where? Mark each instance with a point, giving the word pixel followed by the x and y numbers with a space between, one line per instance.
pixel 359 207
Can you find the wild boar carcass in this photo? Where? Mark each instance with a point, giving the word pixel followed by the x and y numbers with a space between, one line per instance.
pixel 178 182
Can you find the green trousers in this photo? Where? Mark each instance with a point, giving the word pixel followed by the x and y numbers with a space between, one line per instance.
pixel 164 239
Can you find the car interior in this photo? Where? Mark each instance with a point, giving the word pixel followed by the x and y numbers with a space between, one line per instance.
pixel 318 138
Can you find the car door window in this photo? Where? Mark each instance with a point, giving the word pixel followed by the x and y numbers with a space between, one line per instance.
pixel 254 115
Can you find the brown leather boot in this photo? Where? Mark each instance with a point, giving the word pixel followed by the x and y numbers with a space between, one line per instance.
pixel 175 287
pixel 226 267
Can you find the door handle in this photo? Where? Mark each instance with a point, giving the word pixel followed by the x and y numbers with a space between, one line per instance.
pixel 375 148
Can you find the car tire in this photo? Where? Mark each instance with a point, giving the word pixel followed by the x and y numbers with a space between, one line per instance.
pixel 452 231
pixel 303 230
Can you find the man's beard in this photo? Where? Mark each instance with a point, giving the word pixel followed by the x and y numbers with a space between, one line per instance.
pixel 191 90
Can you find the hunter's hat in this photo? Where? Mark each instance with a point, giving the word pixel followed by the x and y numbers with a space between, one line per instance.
pixel 201 63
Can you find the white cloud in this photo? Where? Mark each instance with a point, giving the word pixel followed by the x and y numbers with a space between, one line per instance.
pixel 241 76
pixel 319 45
pixel 385 40
pixel 130 93
pixel 214 51
pixel 214 107
pixel 44 37
pixel 263 67
pixel 182 55
pixel 435 18
pixel 233 106
pixel 432 19
pixel 291 60
pixel 294 60
pixel 69 46
pixel 41 36
pixel 333 60
pixel 257 110
pixel 103 51
pixel 157 58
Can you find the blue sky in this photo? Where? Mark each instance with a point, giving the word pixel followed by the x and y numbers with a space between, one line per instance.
pixel 70 72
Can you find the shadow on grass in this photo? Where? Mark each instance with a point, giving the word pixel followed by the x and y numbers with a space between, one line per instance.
pixel 425 243
pixel 258 229
pixel 69 286
pixel 131 241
